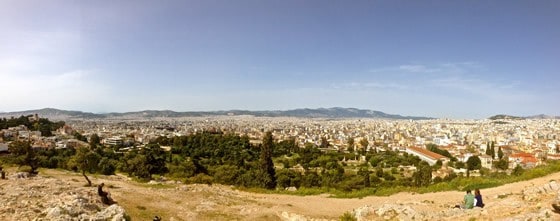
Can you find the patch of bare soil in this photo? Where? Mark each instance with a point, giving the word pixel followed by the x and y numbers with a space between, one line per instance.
pixel 527 200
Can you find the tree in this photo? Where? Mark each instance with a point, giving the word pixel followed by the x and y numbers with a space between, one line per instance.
pixel 438 165
pixel 364 143
pixel 288 178
pixel 155 159
pixel 311 179
pixel 94 140
pixel 324 143
pixel 502 164
pixel 332 174
pixel 227 174
pixel 423 175
pixel 266 165
pixel 184 168
pixel 460 164
pixel 379 172
pixel 79 136
pixel 364 171
pixel 488 149
pixel 474 163
pixel 500 153
pixel 85 160
pixel 350 144
pixel 24 155
pixel 518 170
pixel 492 150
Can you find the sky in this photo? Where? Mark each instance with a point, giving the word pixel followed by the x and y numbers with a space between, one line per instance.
pixel 448 59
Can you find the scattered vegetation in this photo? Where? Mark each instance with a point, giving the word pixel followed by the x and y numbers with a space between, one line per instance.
pixel 347 216
pixel 272 166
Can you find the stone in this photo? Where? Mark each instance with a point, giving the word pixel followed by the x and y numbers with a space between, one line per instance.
pixel 554 185
pixel 113 213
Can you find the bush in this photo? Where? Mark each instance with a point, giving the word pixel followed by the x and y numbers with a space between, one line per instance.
pixel 200 178
pixel 226 174
pixel 24 169
pixel 347 216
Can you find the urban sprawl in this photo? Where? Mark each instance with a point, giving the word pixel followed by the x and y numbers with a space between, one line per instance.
pixel 527 142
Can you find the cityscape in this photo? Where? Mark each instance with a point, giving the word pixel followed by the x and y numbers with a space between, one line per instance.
pixel 292 110
pixel 524 142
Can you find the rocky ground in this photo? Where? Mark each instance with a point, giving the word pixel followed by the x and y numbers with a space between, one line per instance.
pixel 42 198
pixel 61 195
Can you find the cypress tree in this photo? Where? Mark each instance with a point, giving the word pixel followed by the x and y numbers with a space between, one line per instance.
pixel 500 153
pixel 266 164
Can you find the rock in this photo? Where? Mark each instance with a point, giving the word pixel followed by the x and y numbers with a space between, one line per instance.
pixel 390 211
pixel 291 189
pixel 54 212
pixel 362 212
pixel 292 217
pixel 113 213
pixel 40 198
pixel 20 175
pixel 554 186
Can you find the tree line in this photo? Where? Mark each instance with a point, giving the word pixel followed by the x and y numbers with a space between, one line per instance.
pixel 215 157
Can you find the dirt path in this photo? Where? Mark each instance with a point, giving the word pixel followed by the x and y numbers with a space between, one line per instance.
pixel 217 202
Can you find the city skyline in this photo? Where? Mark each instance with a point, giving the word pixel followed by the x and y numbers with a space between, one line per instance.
pixel 425 58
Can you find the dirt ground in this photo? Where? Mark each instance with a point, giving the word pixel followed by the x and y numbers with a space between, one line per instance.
pixel 217 202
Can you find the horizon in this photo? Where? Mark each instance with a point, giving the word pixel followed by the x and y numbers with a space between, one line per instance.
pixel 271 110
pixel 440 59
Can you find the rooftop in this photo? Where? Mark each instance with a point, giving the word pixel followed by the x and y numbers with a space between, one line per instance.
pixel 427 153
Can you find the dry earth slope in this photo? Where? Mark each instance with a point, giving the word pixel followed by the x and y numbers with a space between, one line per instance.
pixel 61 195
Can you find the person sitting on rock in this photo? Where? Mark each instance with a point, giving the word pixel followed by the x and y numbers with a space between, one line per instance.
pixel 478 199
pixel 105 196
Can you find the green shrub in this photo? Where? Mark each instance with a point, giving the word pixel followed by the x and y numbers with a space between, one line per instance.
pixel 200 178
pixel 347 216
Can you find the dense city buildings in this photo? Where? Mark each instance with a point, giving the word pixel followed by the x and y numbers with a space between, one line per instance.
pixel 523 142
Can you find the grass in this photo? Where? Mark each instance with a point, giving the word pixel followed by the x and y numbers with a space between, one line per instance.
pixel 457 184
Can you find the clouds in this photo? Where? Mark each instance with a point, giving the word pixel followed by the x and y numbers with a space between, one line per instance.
pixel 41 60
pixel 418 69
pixel 126 56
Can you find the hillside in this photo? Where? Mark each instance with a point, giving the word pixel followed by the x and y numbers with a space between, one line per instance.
pixel 335 112
pixel 510 117
pixel 528 200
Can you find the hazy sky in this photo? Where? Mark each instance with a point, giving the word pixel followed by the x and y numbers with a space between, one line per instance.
pixel 457 59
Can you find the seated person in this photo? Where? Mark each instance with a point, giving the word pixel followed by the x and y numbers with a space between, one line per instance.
pixel 478 199
pixel 105 196
pixel 468 201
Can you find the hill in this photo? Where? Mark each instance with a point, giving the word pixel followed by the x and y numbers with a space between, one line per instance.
pixel 335 112
pixel 62 193
pixel 505 117
pixel 510 117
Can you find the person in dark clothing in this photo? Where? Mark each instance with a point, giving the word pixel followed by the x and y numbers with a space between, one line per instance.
pixel 100 190
pixel 478 198
pixel 105 196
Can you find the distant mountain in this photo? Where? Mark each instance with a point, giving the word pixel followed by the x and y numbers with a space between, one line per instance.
pixel 543 116
pixel 509 117
pixel 335 112
pixel 52 113
pixel 505 117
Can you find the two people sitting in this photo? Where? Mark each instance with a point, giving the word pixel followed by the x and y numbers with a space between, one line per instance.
pixel 470 201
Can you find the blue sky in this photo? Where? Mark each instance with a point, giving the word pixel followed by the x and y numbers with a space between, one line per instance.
pixel 455 59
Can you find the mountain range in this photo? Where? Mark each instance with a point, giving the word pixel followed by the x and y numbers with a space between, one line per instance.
pixel 510 117
pixel 335 112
